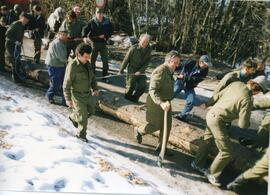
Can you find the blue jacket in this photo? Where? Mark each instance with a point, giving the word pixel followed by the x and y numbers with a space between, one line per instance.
pixel 193 74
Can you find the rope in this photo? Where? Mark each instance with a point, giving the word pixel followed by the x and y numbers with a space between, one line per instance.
pixel 118 75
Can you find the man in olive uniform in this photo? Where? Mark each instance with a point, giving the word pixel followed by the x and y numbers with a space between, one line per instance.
pixel 79 88
pixel 137 60
pixel 262 138
pixel 14 38
pixel 248 68
pixel 234 101
pixel 260 169
pixel 99 30
pixel 159 97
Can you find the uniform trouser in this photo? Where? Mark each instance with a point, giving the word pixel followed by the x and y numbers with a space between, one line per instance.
pixel 137 84
pixel 259 170
pixel 189 96
pixel 84 106
pixel 37 49
pixel 56 75
pixel 2 58
pixel 100 48
pixel 71 46
pixel 263 131
pixel 11 61
pixel 155 120
pixel 216 132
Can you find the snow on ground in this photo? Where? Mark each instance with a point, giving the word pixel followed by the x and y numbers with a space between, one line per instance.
pixel 36 154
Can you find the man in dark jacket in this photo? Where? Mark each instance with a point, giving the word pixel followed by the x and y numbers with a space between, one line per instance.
pixel 37 26
pixel 99 30
pixel 191 74
pixel 3 30
pixel 14 14
pixel 14 38
pixel 4 12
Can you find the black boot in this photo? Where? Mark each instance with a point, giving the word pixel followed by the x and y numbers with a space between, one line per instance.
pixel 235 184
pixel 137 135
pixel 75 124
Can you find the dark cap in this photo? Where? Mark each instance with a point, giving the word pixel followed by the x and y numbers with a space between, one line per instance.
pixel 37 8
pixel 25 15
pixel 99 10
pixel 206 60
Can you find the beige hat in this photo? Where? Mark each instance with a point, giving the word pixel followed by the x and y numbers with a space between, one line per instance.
pixel 263 82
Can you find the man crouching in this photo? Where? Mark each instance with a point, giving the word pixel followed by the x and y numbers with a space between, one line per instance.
pixel 79 88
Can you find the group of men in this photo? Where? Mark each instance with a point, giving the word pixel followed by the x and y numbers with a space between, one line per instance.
pixel 76 81
pixel 232 99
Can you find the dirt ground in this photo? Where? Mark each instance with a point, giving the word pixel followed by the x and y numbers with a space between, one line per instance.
pixel 177 169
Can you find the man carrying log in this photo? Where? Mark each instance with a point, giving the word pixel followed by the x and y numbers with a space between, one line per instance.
pixel 137 60
pixel 191 74
pixel 248 69
pixel 234 101
pixel 14 38
pixel 260 169
pixel 99 30
pixel 159 97
pixel 79 88
pixel 56 60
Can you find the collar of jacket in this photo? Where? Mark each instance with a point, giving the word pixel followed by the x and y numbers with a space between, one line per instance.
pixel 79 62
pixel 104 20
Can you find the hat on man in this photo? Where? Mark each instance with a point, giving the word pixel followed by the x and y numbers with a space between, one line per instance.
pixel 263 82
pixel 206 60
pixel 99 10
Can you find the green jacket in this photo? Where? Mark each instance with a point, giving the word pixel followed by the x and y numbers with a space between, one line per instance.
pixel 79 78
pixel 229 78
pixel 137 59
pixel 235 101
pixel 15 32
pixel 161 84
pixel 74 29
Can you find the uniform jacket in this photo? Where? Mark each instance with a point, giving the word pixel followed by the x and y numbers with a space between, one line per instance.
pixel 79 78
pixel 74 28
pixel 234 101
pixel 137 59
pixel 15 32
